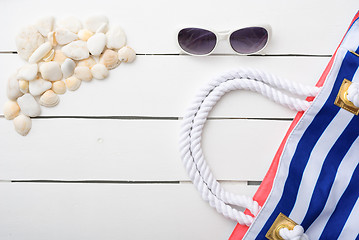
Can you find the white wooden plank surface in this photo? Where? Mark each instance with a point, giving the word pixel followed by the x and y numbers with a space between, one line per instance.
pixel 164 86
pixel 147 150
pixel 78 149
pixel 109 211
pixel 299 26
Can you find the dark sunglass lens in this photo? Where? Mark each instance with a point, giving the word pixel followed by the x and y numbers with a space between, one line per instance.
pixel 197 41
pixel 249 40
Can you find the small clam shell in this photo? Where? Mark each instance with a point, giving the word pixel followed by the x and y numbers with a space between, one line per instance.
pixel 28 105
pixel 64 36
pixel 58 87
pixel 11 109
pixel 24 86
pixel 45 25
pixel 49 99
pixel 110 59
pixel 40 52
pixel 49 56
pixel 59 56
pixel 71 23
pixel 51 71
pixel 116 38
pixel 99 71
pixel 83 73
pixel 94 22
pixel 51 38
pixel 12 88
pixel 27 41
pixel 28 72
pixel 38 86
pixel 76 50
pixel 96 44
pixel 85 34
pixel 89 62
pixel 22 124
pixel 72 83
pixel 68 67
pixel 126 54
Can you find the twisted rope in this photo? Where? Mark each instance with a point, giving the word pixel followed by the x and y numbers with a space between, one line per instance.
pixel 196 116
pixel 296 234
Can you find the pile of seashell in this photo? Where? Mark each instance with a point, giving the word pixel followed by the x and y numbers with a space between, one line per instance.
pixel 56 51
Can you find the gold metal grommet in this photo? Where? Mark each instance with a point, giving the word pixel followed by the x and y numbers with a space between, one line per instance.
pixel 342 100
pixel 282 221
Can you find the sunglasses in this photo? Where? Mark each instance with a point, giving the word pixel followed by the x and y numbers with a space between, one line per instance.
pixel 244 41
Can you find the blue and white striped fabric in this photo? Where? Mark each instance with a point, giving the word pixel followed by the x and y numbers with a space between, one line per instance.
pixel 317 182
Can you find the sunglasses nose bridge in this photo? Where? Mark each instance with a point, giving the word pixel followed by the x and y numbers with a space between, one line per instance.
pixel 223 35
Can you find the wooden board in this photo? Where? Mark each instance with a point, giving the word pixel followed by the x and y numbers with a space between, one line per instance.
pixel 165 86
pixel 40 211
pixel 299 27
pixel 134 150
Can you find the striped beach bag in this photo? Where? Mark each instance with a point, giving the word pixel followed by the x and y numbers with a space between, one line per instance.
pixel 311 190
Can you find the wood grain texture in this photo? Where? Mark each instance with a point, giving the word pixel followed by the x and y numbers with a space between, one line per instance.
pixel 135 150
pixel 110 211
pixel 164 86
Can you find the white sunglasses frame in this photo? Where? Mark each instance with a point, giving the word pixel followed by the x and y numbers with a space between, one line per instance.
pixel 225 35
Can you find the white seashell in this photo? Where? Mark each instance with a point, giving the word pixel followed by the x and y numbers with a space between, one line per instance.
pixel 94 22
pixel 116 38
pixel 40 52
pixel 126 54
pixel 22 124
pixel 49 56
pixel 11 109
pixel 64 36
pixel 103 28
pixel 59 57
pixel 83 73
pixel 45 25
pixel 76 50
pixel 85 34
pixel 96 44
pixel 110 59
pixel 38 86
pixel 49 99
pixel 27 41
pixel 88 62
pixel 12 88
pixel 24 86
pixel 28 72
pixel 58 87
pixel 68 67
pixel 52 38
pixel 71 23
pixel 28 105
pixel 72 83
pixel 99 71
pixel 51 71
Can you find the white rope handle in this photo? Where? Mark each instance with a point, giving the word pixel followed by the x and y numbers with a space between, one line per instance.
pixel 196 116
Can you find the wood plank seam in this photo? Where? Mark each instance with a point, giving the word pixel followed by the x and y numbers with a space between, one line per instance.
pixel 248 183
pixel 218 54
pixel 156 118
